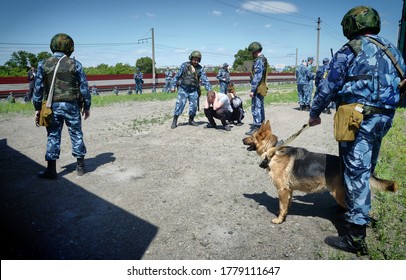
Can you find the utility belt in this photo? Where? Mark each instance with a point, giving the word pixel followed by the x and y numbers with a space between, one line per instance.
pixel 369 110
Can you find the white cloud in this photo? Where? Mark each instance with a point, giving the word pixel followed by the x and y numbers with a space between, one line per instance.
pixel 267 25
pixel 216 13
pixel 241 11
pixel 269 7
pixel 150 14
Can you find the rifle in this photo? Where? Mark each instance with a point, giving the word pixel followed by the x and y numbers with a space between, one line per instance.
pixel 199 93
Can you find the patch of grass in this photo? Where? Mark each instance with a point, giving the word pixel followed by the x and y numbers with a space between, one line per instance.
pixel 107 99
pixel 388 238
pixel 21 108
pixel 141 124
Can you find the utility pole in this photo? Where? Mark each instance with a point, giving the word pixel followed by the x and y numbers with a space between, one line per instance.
pixel 153 56
pixel 153 62
pixel 318 43
pixel 296 57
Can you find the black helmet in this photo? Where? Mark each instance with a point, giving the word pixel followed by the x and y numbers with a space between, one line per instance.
pixel 359 19
pixel 254 46
pixel 62 43
pixel 195 54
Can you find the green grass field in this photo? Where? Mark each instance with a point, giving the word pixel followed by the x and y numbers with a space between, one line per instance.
pixel 387 233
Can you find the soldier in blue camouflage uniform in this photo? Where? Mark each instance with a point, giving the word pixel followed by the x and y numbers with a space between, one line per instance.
pixel 71 87
pixel 224 78
pixel 258 77
pixel 309 89
pixel 361 74
pixel 188 78
pixel 168 80
pixel 94 90
pixel 321 74
pixel 138 77
pixel 11 98
pixel 303 78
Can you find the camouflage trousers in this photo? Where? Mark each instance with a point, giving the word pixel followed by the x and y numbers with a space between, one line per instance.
pixel 303 94
pixel 167 86
pixel 183 96
pixel 308 94
pixel 223 87
pixel 359 159
pixel 69 113
pixel 257 109
pixel 138 88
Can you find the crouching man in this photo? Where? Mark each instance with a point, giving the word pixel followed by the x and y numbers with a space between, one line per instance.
pixel 217 106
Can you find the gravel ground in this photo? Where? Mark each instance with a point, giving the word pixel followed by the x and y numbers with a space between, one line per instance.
pixel 156 193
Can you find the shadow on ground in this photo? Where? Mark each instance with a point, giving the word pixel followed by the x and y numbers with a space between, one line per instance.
pixel 58 219
pixel 309 205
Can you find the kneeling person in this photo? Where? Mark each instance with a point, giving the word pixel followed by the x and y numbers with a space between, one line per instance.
pixel 238 112
pixel 217 106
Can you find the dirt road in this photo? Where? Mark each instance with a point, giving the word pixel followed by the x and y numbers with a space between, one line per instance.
pixel 152 192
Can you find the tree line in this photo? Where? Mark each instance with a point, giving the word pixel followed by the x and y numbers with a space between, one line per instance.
pixel 21 61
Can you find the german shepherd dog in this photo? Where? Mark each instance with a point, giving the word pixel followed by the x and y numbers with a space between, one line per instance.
pixel 297 169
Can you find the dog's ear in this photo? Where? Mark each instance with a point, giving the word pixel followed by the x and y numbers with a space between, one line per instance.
pixel 268 126
pixel 264 126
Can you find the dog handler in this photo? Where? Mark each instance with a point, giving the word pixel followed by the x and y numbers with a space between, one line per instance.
pixel 363 74
pixel 71 84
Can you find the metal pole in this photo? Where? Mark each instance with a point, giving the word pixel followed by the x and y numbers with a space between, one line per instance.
pixel 153 61
pixel 318 43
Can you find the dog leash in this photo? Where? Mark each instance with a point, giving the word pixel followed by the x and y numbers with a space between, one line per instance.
pixel 294 136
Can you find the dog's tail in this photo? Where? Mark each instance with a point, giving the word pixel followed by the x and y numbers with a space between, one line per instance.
pixel 383 184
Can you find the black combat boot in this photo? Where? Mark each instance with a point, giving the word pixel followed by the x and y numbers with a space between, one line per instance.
pixel 50 172
pixel 353 241
pixel 191 121
pixel 252 130
pixel 80 166
pixel 174 122
pixel 225 125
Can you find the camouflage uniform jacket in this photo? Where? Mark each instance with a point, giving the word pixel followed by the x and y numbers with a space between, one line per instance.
pixel 303 75
pixel 258 72
pixel 138 78
pixel 66 89
pixel 223 76
pixel 369 78
pixel 185 70
pixel 320 74
pixel 168 75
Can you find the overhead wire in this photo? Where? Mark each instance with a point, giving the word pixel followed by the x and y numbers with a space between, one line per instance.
pixel 258 5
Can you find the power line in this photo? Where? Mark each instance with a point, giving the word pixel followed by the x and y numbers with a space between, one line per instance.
pixel 263 15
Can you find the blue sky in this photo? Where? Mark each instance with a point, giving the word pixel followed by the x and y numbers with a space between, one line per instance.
pixel 120 31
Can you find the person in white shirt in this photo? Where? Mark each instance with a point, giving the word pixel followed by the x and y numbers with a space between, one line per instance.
pixel 217 106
